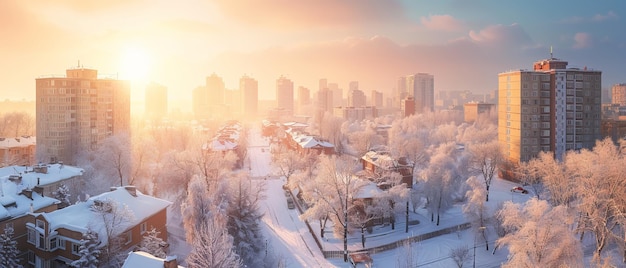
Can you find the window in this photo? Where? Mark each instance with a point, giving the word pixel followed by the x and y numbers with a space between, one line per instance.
pixel 53 244
pixel 60 243
pixel 31 257
pixel 128 237
pixel 32 236
pixel 75 249
pixel 41 224
pixel 143 227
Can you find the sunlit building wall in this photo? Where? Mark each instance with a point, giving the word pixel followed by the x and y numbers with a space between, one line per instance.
pixel 215 90
pixel 77 112
pixel 325 100
pixel 356 98
pixel 551 108
pixel 304 98
pixel 284 95
pixel 249 88
pixel 408 106
pixel 377 99
pixel 472 110
pixel 422 86
pixel 337 94
pixel 618 94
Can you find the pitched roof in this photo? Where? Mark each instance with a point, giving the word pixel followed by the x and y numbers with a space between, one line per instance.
pixel 23 141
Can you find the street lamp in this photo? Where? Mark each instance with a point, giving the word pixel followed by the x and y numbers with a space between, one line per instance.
pixel 479 228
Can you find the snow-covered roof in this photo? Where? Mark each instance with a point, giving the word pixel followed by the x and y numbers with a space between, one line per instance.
pixel 382 160
pixel 145 260
pixel 15 179
pixel 55 173
pixel 295 125
pixel 370 190
pixel 23 141
pixel 225 139
pixel 307 141
pixel 80 217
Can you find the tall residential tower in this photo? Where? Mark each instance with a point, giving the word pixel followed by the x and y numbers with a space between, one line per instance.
pixel 77 112
pixel 551 108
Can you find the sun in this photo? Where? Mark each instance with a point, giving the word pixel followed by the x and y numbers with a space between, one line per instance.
pixel 135 64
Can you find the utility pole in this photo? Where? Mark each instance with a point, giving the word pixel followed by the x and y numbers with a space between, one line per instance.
pixel 345 226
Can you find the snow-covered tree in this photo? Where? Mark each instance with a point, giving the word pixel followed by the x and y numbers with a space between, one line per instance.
pixel 212 247
pixel 287 162
pixel 115 218
pixel 62 194
pixel 152 243
pixel 115 157
pixel 244 217
pixel 407 256
pixel 460 255
pixel 8 250
pixel 475 209
pixel 89 251
pixel 558 180
pixel 485 159
pixel 361 136
pixel 541 235
pixel 202 206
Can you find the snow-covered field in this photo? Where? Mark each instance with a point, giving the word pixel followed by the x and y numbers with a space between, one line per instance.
pixel 288 237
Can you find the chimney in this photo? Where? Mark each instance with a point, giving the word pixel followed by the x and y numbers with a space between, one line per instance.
pixel 170 262
pixel 132 190
pixel 38 189
pixel 28 193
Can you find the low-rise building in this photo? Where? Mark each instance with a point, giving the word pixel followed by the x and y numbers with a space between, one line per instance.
pixel 53 238
pixel 17 151
pixel 380 165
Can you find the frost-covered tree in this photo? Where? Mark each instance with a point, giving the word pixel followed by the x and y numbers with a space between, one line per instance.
pixel 153 244
pixel 558 180
pixel 446 171
pixel 460 255
pixel 62 194
pixel 485 159
pixel 541 235
pixel 244 217
pixel 89 251
pixel 202 206
pixel 475 209
pixel 361 137
pixel 287 162
pixel 212 247
pixel 114 218
pixel 8 250
pixel 407 256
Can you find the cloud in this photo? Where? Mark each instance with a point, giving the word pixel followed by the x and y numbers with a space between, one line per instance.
pixel 320 13
pixel 609 16
pixel 595 18
pixel 582 40
pixel 442 23
pixel 499 34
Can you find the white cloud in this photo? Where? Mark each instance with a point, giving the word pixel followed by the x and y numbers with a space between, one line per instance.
pixel 500 34
pixel 609 16
pixel 582 40
pixel 442 23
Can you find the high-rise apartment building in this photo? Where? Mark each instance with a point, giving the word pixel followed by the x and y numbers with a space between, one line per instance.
pixel 249 89
pixel 618 94
pixel 77 112
pixel 337 95
pixel 356 98
pixel 215 90
pixel 156 101
pixel 551 108
pixel 377 99
pixel 422 87
pixel 304 98
pixel 284 95
pixel 325 100
pixel 408 106
pixel 323 84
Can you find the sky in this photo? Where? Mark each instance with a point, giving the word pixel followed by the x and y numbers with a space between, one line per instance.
pixel 463 43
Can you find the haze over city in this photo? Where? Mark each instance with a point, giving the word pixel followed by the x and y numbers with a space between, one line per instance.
pixel 462 43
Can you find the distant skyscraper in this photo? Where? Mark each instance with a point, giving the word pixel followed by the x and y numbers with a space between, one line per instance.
pixel 325 100
pixel 215 89
pixel 551 108
pixel 422 86
pixel 337 95
pixel 77 112
pixel 249 88
pixel 618 94
pixel 323 84
pixel 156 101
pixel 356 98
pixel 284 94
pixel 304 98
pixel 200 103
pixel 377 99
pixel 353 85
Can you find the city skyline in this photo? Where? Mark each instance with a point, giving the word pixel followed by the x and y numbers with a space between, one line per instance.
pixel 463 44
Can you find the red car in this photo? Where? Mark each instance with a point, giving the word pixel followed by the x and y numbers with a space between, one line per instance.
pixel 519 189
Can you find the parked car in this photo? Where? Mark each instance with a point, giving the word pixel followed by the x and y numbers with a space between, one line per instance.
pixel 290 203
pixel 519 189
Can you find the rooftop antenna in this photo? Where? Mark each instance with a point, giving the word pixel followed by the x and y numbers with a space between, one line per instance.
pixel 551 53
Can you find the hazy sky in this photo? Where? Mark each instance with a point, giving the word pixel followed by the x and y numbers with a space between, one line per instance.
pixel 464 43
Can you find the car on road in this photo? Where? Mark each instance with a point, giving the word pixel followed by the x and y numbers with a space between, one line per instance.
pixel 290 203
pixel 519 189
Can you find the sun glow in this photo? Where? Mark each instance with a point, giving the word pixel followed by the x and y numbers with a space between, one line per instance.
pixel 135 64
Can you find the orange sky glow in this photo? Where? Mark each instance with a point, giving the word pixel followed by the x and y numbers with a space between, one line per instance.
pixel 373 42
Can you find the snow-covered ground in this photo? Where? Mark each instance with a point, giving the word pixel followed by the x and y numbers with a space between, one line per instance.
pixel 288 237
